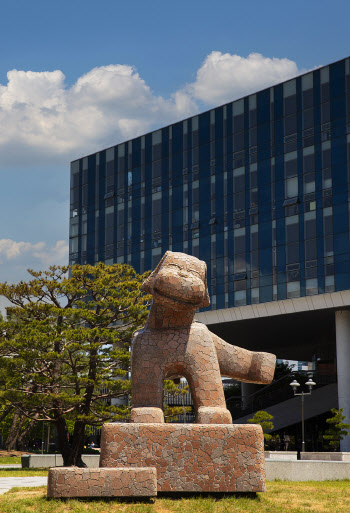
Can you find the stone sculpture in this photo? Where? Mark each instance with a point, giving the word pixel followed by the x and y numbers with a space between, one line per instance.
pixel 148 455
pixel 173 344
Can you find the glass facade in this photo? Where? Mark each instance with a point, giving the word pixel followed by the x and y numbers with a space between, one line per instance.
pixel 258 188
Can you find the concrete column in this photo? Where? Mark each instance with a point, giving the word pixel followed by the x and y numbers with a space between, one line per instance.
pixel 342 326
pixel 247 389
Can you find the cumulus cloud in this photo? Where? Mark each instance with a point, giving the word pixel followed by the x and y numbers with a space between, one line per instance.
pixel 44 121
pixel 17 257
pixel 224 77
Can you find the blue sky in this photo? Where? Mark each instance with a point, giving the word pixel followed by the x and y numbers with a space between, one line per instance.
pixel 77 76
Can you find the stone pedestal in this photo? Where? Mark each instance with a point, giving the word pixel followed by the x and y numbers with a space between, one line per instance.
pixel 101 482
pixel 190 457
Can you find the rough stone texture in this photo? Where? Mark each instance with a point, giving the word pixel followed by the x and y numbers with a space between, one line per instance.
pixel 149 415
pixel 190 457
pixel 210 456
pixel 172 344
pixel 102 482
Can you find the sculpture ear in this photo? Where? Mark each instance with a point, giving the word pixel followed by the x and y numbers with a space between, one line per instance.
pixel 147 285
pixel 206 299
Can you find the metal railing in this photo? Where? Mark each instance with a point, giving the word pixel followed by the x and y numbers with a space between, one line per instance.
pixel 277 392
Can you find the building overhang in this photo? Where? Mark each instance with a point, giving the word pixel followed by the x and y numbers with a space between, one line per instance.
pixel 333 301
pixel 295 329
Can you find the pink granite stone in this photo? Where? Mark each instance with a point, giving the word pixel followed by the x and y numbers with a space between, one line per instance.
pixel 172 344
pixel 190 457
pixel 101 482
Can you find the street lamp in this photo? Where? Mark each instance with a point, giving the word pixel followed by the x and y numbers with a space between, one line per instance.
pixel 294 384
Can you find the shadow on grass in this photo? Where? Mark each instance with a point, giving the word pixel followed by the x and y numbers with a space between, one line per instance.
pixel 107 500
pixel 174 496
pixel 208 495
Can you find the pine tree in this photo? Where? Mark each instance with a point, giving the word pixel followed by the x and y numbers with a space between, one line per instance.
pixel 264 419
pixel 337 430
pixel 64 348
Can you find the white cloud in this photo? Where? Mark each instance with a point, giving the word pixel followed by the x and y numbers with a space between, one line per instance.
pixel 44 121
pixel 224 77
pixel 17 257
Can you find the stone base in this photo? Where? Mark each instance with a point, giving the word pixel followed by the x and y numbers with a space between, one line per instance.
pixel 102 482
pixel 190 457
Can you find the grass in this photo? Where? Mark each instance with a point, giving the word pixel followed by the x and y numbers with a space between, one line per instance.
pixel 23 472
pixel 10 460
pixel 282 496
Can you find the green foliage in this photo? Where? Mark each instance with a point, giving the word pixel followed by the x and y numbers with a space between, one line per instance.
pixel 337 430
pixel 264 419
pixel 282 369
pixel 171 413
pixel 64 349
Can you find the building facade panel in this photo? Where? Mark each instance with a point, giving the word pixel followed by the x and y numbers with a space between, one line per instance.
pixel 258 188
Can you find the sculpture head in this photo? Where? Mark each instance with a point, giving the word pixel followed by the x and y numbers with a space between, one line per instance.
pixel 179 281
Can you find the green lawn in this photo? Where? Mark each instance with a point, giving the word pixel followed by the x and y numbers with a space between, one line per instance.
pixel 290 497
pixel 9 460
pixel 23 472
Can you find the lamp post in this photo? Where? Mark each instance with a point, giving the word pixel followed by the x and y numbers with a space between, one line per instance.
pixel 295 386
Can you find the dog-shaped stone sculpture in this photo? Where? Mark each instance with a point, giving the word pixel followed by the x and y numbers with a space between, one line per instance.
pixel 173 344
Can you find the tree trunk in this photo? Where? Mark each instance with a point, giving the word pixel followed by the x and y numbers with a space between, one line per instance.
pixel 16 425
pixel 71 453
pixel 6 411
pixel 22 436
pixel 78 444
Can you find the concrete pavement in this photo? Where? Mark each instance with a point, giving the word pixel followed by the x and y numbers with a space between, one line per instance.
pixel 6 483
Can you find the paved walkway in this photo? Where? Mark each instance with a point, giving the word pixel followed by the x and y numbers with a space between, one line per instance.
pixel 11 465
pixel 6 483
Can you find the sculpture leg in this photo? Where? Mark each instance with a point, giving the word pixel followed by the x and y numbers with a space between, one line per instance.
pixel 147 394
pixel 147 415
pixel 208 399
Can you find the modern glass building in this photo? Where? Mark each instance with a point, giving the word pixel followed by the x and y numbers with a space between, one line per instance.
pixel 258 188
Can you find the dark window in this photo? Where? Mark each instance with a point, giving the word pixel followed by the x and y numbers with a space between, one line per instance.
pixel 290 105
pixel 253 197
pixel 239 183
pixel 308 118
pixel 239 244
pixel 253 178
pixel 328 245
pixel 290 125
pixel 238 141
pixel 326 158
pixel 254 241
pixel 292 253
pixel 308 98
pixel 325 92
pixel 328 225
pixel 325 113
pixel 253 139
pixel 310 249
pixel 310 228
pixel 157 169
pixel 156 207
pixel 252 117
pixel 309 163
pixel 239 201
pixel 238 123
pixel 254 260
pixel 291 168
pixel 292 233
